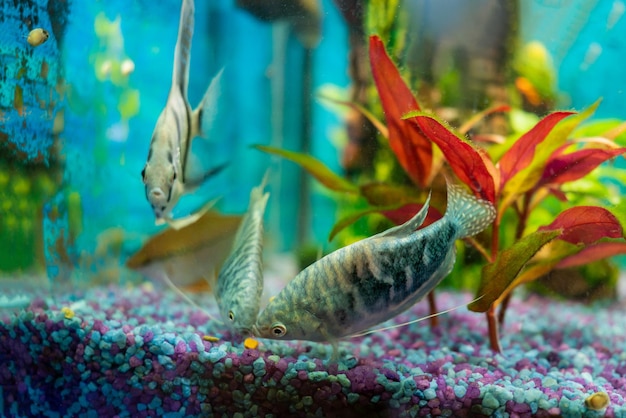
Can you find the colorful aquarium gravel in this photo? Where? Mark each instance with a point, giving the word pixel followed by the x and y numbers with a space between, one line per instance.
pixel 142 352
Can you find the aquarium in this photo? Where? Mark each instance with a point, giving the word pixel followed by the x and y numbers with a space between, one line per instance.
pixel 312 208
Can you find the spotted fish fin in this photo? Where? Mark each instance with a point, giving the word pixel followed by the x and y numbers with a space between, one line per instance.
pixel 409 226
pixel 204 116
pixel 180 74
pixel 470 214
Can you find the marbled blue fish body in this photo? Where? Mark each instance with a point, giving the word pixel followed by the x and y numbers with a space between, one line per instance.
pixel 373 280
pixel 240 281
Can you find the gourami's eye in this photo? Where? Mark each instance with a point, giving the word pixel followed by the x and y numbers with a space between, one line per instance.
pixel 279 330
pixel 231 315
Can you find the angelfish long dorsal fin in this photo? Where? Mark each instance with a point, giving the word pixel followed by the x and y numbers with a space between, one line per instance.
pixel 180 73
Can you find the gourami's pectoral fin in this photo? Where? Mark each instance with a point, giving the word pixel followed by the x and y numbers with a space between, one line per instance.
pixel 194 183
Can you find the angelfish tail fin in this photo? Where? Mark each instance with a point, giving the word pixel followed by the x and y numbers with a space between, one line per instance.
pixel 204 116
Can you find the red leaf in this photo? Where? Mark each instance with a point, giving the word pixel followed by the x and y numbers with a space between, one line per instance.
pixel 406 212
pixel 586 225
pixel 562 168
pixel 413 150
pixel 592 253
pixel 520 155
pixel 465 161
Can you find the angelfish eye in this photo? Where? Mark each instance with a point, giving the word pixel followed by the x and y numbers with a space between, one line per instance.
pixel 279 330
pixel 231 315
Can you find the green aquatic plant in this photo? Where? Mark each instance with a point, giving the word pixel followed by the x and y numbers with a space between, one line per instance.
pixel 517 177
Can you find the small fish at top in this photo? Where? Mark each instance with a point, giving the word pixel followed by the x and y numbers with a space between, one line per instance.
pixel 165 174
pixel 240 281
pixel 37 36
pixel 373 280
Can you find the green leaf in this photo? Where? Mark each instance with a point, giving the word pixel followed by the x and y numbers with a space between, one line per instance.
pixel 382 194
pixel 498 278
pixel 527 178
pixel 369 115
pixel 315 167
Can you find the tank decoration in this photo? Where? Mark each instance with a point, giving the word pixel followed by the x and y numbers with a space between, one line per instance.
pixel 31 120
pixel 516 177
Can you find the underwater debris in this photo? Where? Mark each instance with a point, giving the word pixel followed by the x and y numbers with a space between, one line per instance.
pixel 210 338
pixel 37 37
pixel 597 401
pixel 250 343
pixel 67 312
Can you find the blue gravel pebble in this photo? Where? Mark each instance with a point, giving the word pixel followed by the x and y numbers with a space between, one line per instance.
pixel 459 391
pixel 490 401
pixel 343 380
pixel 165 360
pixel 215 354
pixel 167 348
pixel 430 393
pixel 259 367
pixel 318 376
pixel 353 398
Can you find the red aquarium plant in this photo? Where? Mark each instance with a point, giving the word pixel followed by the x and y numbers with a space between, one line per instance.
pixel 532 167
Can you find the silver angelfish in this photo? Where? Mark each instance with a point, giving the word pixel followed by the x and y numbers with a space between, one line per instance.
pixel 373 280
pixel 165 174
pixel 240 281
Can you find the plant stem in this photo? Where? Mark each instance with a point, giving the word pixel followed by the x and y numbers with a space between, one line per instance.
pixel 479 247
pixel 494 338
pixel 432 303
pixel 492 320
